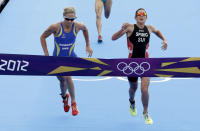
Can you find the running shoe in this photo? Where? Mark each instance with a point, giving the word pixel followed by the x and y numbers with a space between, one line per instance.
pixel 74 109
pixel 133 110
pixel 100 39
pixel 148 119
pixel 66 105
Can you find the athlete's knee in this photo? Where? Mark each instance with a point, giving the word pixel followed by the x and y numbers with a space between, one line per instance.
pixel 144 89
pixel 98 16
pixel 133 85
pixel 144 86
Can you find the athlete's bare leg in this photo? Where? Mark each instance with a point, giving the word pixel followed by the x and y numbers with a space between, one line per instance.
pixel 107 8
pixel 70 86
pixel 132 90
pixel 63 86
pixel 145 93
pixel 98 10
pixel 66 83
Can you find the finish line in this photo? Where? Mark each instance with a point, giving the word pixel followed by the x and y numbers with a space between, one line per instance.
pixel 15 64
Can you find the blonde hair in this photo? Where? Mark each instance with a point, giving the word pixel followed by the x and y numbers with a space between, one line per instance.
pixel 69 10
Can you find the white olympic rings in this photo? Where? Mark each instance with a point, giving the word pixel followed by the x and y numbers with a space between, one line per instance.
pixel 133 67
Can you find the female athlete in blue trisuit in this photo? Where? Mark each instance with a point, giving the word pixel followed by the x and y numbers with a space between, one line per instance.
pixel 65 33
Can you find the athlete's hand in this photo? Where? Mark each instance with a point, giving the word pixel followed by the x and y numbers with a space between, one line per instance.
pixel 89 51
pixel 125 25
pixel 164 46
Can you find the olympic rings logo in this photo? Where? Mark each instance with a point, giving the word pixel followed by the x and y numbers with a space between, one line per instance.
pixel 133 67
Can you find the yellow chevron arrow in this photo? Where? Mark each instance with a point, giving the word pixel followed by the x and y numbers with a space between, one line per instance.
pixel 167 63
pixel 185 60
pixel 194 70
pixel 63 69
pixel 104 72
pixel 191 59
pixel 96 68
pixel 162 75
pixel 95 60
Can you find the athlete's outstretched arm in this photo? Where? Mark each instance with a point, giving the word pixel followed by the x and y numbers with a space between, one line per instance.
pixel 86 36
pixel 160 35
pixel 47 33
pixel 121 32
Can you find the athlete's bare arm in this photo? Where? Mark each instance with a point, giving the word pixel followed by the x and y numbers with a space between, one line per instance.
pixel 159 34
pixel 82 27
pixel 50 30
pixel 126 28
